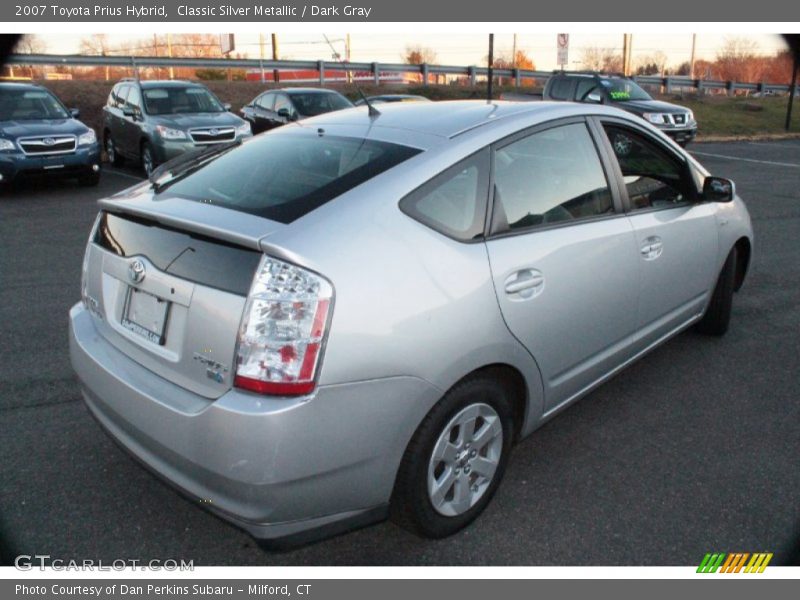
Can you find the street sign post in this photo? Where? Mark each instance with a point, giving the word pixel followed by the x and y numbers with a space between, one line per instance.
pixel 562 45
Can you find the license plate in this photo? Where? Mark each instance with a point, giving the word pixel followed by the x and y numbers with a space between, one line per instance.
pixel 145 315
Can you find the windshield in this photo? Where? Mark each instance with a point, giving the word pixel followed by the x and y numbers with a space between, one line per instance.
pixel 180 100
pixel 285 176
pixel 310 105
pixel 29 105
pixel 622 90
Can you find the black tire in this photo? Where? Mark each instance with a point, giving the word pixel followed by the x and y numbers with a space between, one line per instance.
pixel 148 158
pixel 112 154
pixel 718 313
pixel 89 180
pixel 411 505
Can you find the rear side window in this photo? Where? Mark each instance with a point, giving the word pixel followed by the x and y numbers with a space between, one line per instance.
pixel 561 89
pixel 454 202
pixel 549 177
pixel 284 176
pixel 266 101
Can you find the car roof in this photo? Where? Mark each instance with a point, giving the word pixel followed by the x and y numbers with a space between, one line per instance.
pixel 149 83
pixel 449 118
pixel 305 90
pixel 17 85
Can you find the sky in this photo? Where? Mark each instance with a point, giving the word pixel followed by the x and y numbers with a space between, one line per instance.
pixel 460 49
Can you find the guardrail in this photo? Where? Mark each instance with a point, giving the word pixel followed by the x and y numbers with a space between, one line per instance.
pixel 670 83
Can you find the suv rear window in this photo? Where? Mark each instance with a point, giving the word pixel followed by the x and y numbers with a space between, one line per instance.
pixel 285 176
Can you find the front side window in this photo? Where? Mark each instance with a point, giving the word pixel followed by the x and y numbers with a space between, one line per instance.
pixel 310 105
pixel 653 177
pixel 180 100
pixel 453 203
pixel 282 101
pixel 285 176
pixel 134 99
pixel 549 177
pixel 30 105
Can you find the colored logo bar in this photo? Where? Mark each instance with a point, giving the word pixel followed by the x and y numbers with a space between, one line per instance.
pixel 735 562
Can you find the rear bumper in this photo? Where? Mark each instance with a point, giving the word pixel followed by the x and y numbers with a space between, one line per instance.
pixel 81 162
pixel 285 470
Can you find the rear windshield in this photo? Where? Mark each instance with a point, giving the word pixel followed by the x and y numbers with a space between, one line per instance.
pixel 622 90
pixel 29 105
pixel 283 176
pixel 180 100
pixel 314 104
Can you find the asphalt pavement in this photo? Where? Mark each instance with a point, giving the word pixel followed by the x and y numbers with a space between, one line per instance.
pixel 693 449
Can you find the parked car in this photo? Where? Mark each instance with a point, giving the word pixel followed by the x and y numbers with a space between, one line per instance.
pixel 151 122
pixel 278 107
pixel 384 98
pixel 364 326
pixel 40 136
pixel 676 121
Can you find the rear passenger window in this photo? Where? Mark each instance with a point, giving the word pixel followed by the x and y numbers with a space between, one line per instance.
pixel 549 177
pixel 266 101
pixel 562 88
pixel 454 203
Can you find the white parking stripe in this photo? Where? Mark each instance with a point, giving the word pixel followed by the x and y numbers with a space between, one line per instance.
pixel 122 174
pixel 752 160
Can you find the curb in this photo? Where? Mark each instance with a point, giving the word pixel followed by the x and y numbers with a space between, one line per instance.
pixel 761 137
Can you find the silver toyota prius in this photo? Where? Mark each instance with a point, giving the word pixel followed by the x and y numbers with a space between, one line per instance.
pixel 358 315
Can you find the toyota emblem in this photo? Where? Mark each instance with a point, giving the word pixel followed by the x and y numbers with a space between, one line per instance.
pixel 213 131
pixel 136 271
pixel 48 141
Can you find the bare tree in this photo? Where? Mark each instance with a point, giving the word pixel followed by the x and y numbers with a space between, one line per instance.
pixel 595 58
pixel 738 60
pixel 417 55
pixel 32 44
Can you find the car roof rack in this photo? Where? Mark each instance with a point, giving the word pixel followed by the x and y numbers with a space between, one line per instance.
pixel 591 72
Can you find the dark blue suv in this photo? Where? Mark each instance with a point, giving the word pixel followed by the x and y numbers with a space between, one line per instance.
pixel 39 136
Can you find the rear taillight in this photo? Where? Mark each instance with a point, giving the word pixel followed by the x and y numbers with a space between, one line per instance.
pixel 283 329
pixel 87 301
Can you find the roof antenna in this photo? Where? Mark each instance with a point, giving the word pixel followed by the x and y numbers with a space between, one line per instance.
pixel 373 112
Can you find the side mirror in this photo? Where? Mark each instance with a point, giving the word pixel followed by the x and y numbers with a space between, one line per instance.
pixel 75 113
pixel 718 189
pixel 227 106
pixel 595 98
pixel 284 112
pixel 128 111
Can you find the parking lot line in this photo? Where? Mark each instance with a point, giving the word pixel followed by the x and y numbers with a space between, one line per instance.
pixel 752 160
pixel 122 174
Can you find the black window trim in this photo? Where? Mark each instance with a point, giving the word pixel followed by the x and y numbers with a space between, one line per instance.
pixel 484 182
pixel 686 177
pixel 492 230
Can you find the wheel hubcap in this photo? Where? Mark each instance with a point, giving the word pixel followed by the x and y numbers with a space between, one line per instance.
pixel 148 162
pixel 110 150
pixel 465 459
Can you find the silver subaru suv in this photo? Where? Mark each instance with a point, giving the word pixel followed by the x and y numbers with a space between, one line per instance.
pixel 358 315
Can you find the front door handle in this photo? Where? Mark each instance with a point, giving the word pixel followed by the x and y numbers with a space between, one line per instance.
pixel 525 283
pixel 652 247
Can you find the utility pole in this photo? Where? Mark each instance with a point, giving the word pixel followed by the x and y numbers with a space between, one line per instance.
pixel 691 60
pixel 261 54
pixel 491 66
pixel 348 73
pixel 169 53
pixel 630 55
pixel 514 53
pixel 276 76
pixel 625 53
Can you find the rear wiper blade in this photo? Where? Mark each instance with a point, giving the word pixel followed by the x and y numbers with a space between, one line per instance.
pixel 171 169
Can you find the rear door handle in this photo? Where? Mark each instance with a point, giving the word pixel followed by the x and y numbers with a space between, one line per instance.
pixel 524 284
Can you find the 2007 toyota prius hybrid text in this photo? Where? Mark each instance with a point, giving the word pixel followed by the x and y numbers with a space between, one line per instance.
pixel 357 315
